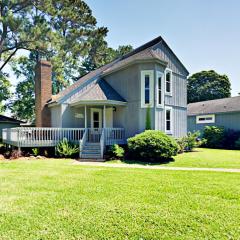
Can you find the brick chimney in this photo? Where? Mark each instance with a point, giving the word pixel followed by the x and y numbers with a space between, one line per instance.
pixel 43 93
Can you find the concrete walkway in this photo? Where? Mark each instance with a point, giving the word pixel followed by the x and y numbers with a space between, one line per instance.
pixel 122 165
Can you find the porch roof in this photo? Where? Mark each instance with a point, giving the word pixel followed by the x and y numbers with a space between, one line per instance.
pixel 100 93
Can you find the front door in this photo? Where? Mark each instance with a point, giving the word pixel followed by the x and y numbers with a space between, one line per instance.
pixel 96 118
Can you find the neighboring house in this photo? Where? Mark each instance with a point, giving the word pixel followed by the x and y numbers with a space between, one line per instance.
pixel 223 112
pixel 116 96
pixel 8 122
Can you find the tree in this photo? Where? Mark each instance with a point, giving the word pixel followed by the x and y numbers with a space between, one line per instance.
pixel 61 31
pixel 207 85
pixel 100 54
pixel 21 27
pixel 4 91
pixel 23 104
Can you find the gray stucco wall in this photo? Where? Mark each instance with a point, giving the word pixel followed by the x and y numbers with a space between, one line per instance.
pixel 229 120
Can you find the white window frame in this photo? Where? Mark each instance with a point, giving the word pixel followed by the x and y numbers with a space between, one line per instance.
pixel 160 74
pixel 151 88
pixel 198 121
pixel 168 70
pixel 171 120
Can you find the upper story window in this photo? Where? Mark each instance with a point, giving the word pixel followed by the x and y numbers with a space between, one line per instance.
pixel 168 81
pixel 205 119
pixel 168 120
pixel 160 87
pixel 147 88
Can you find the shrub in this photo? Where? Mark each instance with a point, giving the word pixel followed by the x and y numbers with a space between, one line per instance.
pixel 230 138
pixel 237 144
pixel 116 152
pixel 152 145
pixel 214 136
pixel 189 142
pixel 181 144
pixel 148 118
pixel 35 151
pixel 218 137
pixel 66 149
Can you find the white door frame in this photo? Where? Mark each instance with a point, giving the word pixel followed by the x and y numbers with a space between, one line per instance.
pixel 99 110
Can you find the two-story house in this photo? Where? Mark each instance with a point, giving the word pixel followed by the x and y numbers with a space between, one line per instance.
pixel 111 103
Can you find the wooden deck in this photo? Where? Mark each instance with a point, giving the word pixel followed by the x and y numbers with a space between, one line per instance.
pixel 50 137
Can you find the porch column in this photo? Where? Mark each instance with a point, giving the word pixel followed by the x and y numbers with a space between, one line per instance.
pixel 85 115
pixel 104 116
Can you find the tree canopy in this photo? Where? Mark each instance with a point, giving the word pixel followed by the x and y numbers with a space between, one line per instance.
pixel 207 85
pixel 64 32
pixel 4 91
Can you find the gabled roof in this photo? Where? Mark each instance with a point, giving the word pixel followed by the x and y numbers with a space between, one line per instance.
pixel 9 119
pixel 101 91
pixel 143 52
pixel 147 54
pixel 214 106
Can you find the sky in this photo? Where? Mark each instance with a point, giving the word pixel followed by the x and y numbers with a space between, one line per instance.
pixel 204 34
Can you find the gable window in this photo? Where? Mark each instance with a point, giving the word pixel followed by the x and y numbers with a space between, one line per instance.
pixel 168 81
pixel 147 88
pixel 168 120
pixel 205 119
pixel 160 93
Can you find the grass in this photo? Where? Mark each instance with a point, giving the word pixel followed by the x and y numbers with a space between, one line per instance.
pixel 54 199
pixel 202 157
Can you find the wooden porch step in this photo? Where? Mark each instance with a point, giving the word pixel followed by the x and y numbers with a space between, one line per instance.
pixel 91 156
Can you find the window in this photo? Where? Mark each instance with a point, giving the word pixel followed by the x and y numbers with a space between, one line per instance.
pixel 168 81
pixel 168 120
pixel 160 93
pixel 147 88
pixel 205 119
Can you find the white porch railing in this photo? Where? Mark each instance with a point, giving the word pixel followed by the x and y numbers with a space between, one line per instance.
pixel 82 143
pixel 114 136
pixel 102 143
pixel 41 137
pixel 48 137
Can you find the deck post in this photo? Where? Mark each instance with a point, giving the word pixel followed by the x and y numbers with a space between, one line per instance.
pixel 104 116
pixel 85 116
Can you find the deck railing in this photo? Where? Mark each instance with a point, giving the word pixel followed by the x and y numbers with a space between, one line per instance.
pixel 114 136
pixel 37 137
pixel 48 137
pixel 82 143
pixel 102 143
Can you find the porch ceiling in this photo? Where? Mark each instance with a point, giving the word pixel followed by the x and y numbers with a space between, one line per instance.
pixel 100 93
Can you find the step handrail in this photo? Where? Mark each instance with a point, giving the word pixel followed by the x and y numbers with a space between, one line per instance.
pixel 82 142
pixel 102 142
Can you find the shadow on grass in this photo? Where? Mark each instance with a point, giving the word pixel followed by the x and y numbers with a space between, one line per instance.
pixel 156 162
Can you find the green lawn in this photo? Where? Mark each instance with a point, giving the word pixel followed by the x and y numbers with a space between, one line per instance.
pixel 54 199
pixel 206 158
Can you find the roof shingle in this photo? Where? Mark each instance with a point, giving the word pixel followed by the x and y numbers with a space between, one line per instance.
pixel 99 92
pixel 214 106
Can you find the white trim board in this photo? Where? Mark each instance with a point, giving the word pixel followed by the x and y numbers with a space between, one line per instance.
pixel 209 118
pixel 151 88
